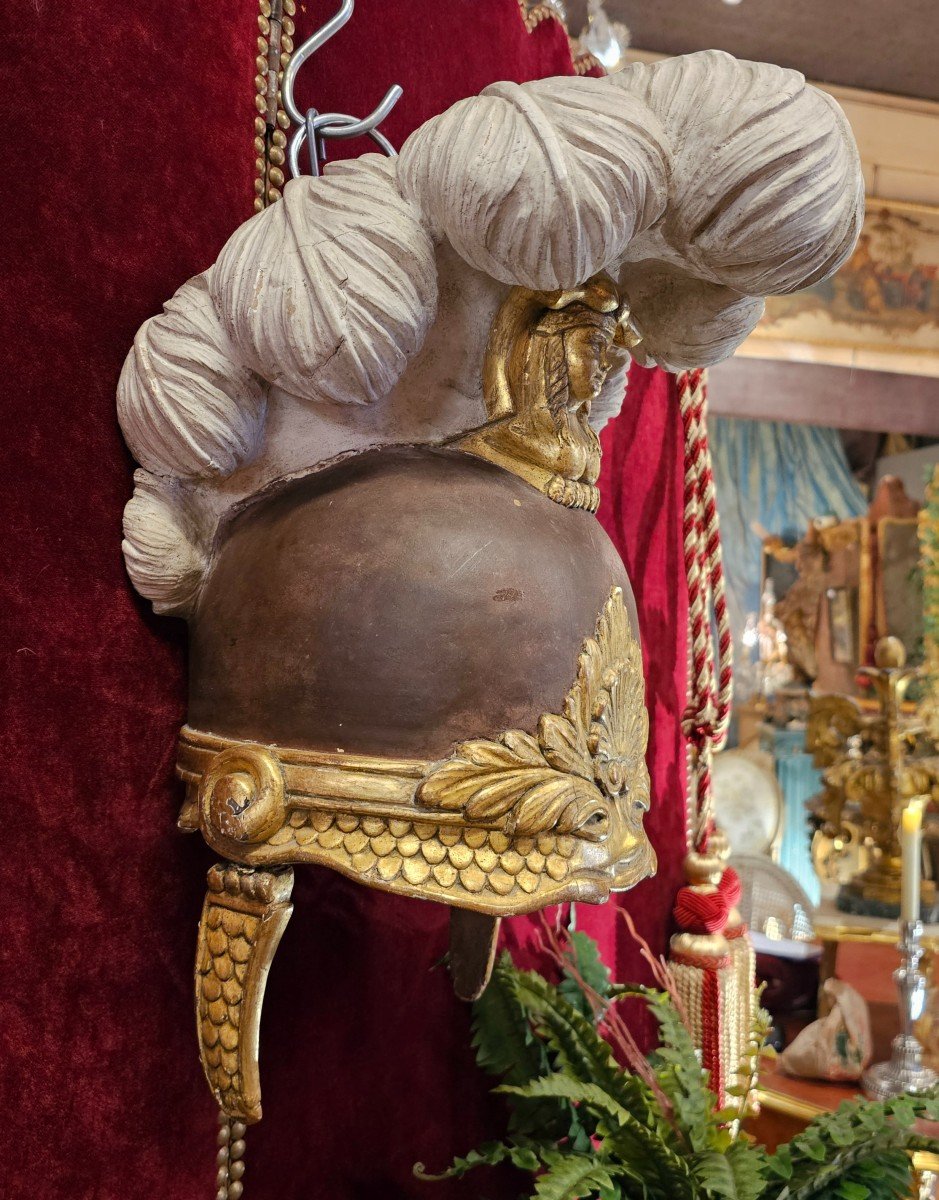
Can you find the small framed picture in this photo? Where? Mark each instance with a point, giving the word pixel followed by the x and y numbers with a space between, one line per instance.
pixel 841 623
pixel 880 310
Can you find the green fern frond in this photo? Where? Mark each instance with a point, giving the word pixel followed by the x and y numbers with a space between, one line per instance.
pixel 502 1038
pixel 678 1068
pixel 584 1127
pixel 573 1176
pixel 565 1086
pixel 506 1046
pixel 489 1154
pixel 735 1173
pixel 582 1055
pixel 862 1144
pixel 580 1049
pixel 588 966
pixel 615 1120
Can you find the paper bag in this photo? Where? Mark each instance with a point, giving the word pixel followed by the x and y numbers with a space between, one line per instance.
pixel 837 1046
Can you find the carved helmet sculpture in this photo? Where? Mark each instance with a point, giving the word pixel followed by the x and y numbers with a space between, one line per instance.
pixel 369 445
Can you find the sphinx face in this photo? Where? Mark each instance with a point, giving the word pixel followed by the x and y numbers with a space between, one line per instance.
pixel 589 359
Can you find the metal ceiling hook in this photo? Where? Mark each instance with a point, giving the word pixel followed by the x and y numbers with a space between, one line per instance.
pixel 313 127
pixel 317 127
pixel 313 43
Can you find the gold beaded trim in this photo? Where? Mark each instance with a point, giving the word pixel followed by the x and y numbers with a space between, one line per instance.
pixel 275 46
pixel 230 1159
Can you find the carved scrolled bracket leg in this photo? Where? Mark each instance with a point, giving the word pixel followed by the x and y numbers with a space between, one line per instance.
pixel 244 915
pixel 473 940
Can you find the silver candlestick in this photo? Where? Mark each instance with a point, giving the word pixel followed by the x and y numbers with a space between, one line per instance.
pixel 904 1071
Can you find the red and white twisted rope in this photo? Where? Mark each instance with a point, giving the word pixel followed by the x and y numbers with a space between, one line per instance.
pixel 707 716
pixel 712 966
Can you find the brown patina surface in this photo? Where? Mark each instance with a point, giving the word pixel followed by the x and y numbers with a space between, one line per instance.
pixel 395 604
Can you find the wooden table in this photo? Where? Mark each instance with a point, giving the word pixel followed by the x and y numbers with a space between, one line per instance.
pixel 788 1104
pixel 862 951
pixel 842 936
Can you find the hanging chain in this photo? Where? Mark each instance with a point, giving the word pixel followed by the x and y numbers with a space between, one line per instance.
pixel 314 127
pixel 230 1158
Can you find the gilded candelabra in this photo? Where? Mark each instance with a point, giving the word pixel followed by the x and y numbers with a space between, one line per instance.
pixel 874 763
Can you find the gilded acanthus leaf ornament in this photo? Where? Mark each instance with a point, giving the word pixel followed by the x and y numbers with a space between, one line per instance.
pixel 581 763
pixel 511 782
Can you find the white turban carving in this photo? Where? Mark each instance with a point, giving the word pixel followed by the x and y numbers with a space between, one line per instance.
pixel 703 183
pixel 685 320
pixel 186 407
pixel 765 192
pixel 541 184
pixel 165 560
pixel 329 293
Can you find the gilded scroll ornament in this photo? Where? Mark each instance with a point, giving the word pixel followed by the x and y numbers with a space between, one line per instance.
pixel 242 794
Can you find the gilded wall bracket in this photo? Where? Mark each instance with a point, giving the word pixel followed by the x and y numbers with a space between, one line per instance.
pixel 244 915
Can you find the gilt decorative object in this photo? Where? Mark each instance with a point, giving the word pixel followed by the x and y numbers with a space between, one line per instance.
pixel 874 764
pixel 369 455
pixel 928 528
pixel 501 825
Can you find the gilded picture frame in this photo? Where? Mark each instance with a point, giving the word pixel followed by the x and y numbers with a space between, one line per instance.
pixel 880 311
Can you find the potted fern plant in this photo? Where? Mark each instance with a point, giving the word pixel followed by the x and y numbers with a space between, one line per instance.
pixel 591 1116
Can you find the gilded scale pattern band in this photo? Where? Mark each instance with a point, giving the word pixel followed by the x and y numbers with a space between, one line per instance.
pixel 504 825
pixel 419 854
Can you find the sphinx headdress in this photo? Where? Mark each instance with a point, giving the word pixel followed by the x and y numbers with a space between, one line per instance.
pixel 369 457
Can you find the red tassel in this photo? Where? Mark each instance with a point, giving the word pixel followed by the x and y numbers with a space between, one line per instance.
pixel 701 912
pixel 710 1016
pixel 730 887
pixel 711 1021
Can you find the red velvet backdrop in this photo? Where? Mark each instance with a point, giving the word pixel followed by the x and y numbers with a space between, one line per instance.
pixel 132 164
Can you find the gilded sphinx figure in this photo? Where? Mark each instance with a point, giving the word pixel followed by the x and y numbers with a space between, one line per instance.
pixel 369 455
pixel 547 359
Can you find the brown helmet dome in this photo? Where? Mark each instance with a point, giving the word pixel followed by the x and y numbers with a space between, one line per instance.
pixel 394 604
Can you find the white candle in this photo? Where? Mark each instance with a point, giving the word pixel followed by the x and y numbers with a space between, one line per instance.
pixel 911 833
